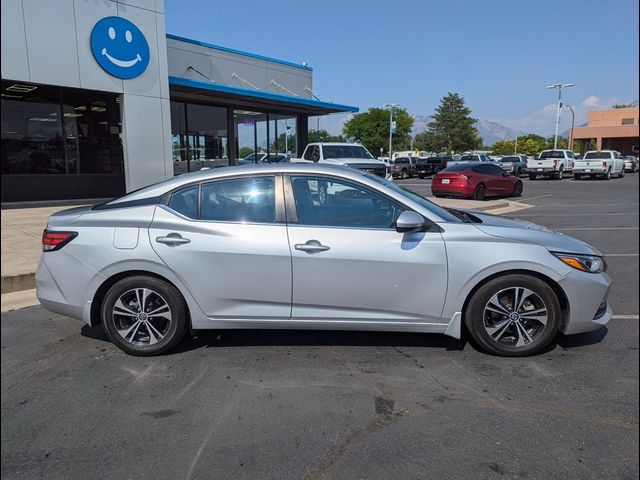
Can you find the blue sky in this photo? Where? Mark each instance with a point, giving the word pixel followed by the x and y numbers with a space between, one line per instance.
pixel 498 54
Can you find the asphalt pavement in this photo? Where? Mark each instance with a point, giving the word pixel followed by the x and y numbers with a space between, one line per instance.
pixel 338 405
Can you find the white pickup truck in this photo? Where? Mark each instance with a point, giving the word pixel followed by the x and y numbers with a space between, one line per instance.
pixel 551 163
pixel 348 154
pixel 599 162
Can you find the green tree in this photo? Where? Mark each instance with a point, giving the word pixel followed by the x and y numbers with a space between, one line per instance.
pixel 324 136
pixel 504 147
pixel 244 151
pixel 452 128
pixel 623 105
pixel 371 128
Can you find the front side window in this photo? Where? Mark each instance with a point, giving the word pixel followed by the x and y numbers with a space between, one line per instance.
pixel 328 202
pixel 250 200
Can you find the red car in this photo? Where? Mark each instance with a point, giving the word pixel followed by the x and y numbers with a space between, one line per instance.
pixel 476 180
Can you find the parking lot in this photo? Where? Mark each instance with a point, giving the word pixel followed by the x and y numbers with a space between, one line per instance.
pixel 343 405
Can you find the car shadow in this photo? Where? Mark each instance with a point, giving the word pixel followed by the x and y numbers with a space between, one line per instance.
pixel 582 339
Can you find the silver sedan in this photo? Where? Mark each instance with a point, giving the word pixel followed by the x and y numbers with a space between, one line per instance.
pixel 313 247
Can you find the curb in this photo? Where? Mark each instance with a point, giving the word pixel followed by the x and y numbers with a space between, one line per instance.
pixel 17 283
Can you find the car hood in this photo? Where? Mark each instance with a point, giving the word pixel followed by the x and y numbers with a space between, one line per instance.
pixel 529 232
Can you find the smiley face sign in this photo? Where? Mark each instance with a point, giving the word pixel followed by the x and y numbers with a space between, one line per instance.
pixel 119 47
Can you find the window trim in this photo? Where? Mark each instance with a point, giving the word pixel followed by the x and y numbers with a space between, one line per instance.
pixel 292 212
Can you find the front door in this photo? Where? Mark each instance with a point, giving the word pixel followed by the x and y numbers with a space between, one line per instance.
pixel 350 264
pixel 228 248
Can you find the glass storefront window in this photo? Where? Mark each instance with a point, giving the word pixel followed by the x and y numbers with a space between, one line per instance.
pixel 53 130
pixel 282 135
pixel 251 135
pixel 199 137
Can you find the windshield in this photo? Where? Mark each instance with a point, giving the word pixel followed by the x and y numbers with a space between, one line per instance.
pixel 593 155
pixel 345 151
pixel 432 207
pixel 552 154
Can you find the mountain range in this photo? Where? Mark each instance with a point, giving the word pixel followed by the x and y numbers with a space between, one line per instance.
pixel 490 132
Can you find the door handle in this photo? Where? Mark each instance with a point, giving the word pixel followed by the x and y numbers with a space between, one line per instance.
pixel 173 239
pixel 312 246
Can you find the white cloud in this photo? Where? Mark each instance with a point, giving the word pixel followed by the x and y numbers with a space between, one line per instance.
pixel 591 101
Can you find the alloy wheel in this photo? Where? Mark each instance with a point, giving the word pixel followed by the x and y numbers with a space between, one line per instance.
pixel 142 316
pixel 515 317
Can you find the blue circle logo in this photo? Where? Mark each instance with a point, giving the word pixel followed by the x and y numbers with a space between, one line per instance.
pixel 119 47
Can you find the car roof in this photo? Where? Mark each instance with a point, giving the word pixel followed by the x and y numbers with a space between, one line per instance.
pixel 249 170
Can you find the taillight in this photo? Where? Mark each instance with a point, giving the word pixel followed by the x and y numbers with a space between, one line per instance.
pixel 604 164
pixel 555 163
pixel 53 240
pixel 393 169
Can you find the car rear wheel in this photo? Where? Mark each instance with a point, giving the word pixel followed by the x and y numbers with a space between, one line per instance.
pixel 144 315
pixel 607 176
pixel 513 315
pixel 480 193
pixel 517 190
pixel 560 174
pixel 621 174
pixel 577 176
pixel 532 176
pixel 404 175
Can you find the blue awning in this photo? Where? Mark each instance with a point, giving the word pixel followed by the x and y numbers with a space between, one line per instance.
pixel 304 105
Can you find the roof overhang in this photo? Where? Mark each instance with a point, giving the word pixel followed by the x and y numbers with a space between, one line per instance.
pixel 613 131
pixel 254 98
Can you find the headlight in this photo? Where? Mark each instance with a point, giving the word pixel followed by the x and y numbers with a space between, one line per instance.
pixel 586 263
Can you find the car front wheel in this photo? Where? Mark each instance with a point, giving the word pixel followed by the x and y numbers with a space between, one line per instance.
pixel 514 315
pixel 144 315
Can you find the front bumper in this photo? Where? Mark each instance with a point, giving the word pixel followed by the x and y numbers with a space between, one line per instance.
pixel 586 293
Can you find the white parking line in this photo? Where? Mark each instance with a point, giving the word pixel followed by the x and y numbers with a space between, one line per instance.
pixel 576 214
pixel 590 205
pixel 532 198
pixel 626 317
pixel 597 228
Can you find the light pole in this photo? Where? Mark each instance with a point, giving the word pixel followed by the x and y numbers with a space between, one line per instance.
pixel 515 152
pixel 559 86
pixel 391 107
pixel 573 121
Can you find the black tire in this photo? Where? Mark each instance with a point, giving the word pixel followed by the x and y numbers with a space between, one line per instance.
pixel 421 176
pixel 559 175
pixel 621 174
pixel 577 176
pixel 532 176
pixel 480 192
pixel 607 176
pixel 404 175
pixel 517 190
pixel 477 323
pixel 175 329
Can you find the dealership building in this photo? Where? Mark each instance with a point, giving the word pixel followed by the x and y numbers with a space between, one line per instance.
pixel 611 129
pixel 98 100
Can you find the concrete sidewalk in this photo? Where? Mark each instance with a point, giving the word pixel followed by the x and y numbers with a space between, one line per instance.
pixel 22 232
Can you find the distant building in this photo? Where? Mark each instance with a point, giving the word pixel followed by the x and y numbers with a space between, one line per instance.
pixel 614 129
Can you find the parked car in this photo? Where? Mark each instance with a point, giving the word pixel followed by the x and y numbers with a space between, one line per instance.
pixel 471 157
pixel 630 163
pixel 347 154
pixel 252 247
pixel 514 164
pixel 551 163
pixel 603 163
pixel 432 165
pixel 405 167
pixel 476 180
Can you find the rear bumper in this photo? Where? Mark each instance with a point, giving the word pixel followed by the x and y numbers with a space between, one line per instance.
pixel 50 294
pixel 458 192
pixel 590 170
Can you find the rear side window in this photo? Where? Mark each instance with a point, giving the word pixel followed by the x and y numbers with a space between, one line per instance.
pixel 185 201
pixel 250 200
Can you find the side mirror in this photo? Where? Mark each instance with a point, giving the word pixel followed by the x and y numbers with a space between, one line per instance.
pixel 409 222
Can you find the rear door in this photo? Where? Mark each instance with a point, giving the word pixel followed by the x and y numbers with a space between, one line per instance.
pixel 350 264
pixel 227 241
